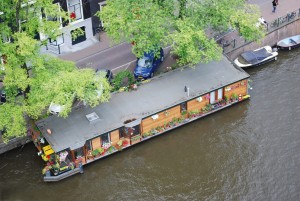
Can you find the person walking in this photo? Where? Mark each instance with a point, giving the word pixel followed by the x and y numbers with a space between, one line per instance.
pixel 274 5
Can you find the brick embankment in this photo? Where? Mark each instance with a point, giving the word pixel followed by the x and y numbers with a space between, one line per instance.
pixel 15 143
pixel 271 39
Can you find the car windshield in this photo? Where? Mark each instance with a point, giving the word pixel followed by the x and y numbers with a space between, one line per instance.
pixel 144 62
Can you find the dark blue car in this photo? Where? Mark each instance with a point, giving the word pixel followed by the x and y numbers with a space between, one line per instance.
pixel 148 64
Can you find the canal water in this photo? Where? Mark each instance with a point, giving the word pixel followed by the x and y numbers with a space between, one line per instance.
pixel 250 151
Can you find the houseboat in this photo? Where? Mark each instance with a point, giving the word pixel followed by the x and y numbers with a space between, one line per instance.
pixel 158 106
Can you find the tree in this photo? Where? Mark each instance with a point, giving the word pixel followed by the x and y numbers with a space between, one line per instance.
pixel 183 24
pixel 40 79
pixel 141 23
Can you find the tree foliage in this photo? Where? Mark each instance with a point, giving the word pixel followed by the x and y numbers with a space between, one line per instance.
pixel 139 22
pixel 40 79
pixel 183 24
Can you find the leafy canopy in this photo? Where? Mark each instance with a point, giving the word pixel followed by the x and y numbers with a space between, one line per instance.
pixel 40 79
pixel 183 24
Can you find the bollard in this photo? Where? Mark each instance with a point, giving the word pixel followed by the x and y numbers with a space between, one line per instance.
pixel 80 167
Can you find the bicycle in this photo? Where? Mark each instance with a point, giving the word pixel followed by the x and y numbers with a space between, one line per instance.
pixel 98 30
pixel 274 23
pixel 291 15
pixel 282 20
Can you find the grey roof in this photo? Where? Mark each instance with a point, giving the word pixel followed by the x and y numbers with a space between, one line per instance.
pixel 162 92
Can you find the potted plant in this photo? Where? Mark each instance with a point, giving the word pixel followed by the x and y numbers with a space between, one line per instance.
pixel 153 131
pixel 146 134
pixel 234 97
pixel 125 143
pixel 159 129
pixel 226 99
pixel 101 151
pixel 180 120
pixel 46 170
pixel 95 153
pixel 111 149
pixel 184 113
pixel 55 168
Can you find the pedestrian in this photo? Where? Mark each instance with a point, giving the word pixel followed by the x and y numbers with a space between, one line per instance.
pixel 274 5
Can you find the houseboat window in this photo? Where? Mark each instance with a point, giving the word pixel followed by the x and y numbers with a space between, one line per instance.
pixel 88 145
pixel 135 130
pixel 78 153
pixel 105 139
pixel 183 107
pixel 125 132
pixel 122 132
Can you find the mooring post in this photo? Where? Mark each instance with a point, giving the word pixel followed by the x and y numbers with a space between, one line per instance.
pixel 81 167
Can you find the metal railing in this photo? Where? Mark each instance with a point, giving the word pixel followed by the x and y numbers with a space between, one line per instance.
pixel 283 20
pixel 54 46
pixel 235 41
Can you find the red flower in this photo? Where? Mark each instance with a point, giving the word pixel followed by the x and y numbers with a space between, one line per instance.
pixel 72 15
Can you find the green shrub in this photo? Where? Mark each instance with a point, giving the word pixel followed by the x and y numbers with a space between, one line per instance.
pixel 123 78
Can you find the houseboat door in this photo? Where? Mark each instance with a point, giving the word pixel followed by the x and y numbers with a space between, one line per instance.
pixel 133 131
pixel 220 94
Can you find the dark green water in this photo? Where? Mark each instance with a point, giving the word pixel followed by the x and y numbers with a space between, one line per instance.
pixel 250 151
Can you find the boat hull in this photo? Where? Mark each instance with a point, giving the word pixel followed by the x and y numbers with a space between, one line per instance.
pixel 288 48
pixel 289 43
pixel 266 60
pixel 261 63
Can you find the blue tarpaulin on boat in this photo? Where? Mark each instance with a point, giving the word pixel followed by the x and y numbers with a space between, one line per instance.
pixel 254 57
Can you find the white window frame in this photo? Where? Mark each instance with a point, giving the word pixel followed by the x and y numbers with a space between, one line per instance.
pixel 23 5
pixel 81 10
pixel 28 3
pixel 60 19
pixel 101 5
pixel 43 36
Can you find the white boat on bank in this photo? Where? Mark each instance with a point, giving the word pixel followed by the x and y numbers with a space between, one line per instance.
pixel 289 43
pixel 256 57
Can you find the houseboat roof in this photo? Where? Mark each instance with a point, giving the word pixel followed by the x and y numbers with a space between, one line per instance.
pixel 162 92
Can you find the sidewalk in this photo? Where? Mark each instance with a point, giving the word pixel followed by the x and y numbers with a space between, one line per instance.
pixel 94 48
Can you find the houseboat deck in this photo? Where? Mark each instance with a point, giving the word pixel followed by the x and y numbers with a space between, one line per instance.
pixel 161 93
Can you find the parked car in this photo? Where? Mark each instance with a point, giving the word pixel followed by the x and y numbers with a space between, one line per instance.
pixel 148 64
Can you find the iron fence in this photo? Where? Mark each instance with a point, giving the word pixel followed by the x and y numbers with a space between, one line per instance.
pixel 283 20
pixel 234 40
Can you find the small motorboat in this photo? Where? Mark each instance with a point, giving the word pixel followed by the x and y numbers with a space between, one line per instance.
pixel 289 43
pixel 256 57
